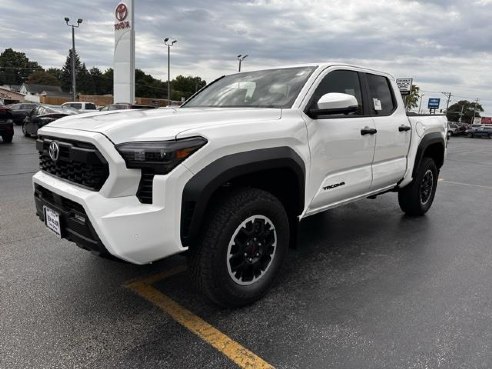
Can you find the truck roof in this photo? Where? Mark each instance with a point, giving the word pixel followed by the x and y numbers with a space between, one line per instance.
pixel 325 65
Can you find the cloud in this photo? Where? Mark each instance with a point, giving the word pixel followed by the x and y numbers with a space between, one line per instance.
pixel 442 44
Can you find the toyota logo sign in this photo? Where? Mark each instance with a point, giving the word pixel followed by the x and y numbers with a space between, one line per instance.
pixel 121 12
pixel 54 150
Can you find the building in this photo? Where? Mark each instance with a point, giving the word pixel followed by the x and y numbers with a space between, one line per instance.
pixel 9 96
pixel 35 93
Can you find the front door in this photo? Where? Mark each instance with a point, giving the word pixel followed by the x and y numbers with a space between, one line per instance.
pixel 342 150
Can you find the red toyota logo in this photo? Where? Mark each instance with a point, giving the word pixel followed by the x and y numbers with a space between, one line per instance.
pixel 121 12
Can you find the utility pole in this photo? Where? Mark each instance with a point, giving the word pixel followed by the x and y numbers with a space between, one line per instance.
pixel 448 95
pixel 475 109
pixel 420 103
pixel 461 113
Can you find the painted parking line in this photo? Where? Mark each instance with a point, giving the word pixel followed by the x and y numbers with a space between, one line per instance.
pixel 467 184
pixel 240 355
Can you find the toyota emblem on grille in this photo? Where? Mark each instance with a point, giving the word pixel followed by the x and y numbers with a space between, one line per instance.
pixel 54 150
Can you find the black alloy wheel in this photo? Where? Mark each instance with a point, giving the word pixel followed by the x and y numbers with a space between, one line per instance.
pixel 251 250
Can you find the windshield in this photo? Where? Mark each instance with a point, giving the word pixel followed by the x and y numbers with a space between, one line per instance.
pixel 273 88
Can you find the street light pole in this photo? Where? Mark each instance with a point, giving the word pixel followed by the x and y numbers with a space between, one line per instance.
pixel 169 43
pixel 241 58
pixel 74 82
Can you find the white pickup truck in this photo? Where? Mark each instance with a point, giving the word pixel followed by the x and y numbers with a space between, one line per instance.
pixel 228 176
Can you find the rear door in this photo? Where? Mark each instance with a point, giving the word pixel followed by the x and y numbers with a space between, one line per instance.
pixel 393 132
pixel 341 150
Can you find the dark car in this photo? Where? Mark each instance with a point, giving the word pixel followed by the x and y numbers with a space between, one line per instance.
pixel 479 130
pixel 123 106
pixel 42 115
pixel 20 111
pixel 6 124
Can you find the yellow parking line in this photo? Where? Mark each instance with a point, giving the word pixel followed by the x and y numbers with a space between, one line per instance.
pixel 158 276
pixel 240 355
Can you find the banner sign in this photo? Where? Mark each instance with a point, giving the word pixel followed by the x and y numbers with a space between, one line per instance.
pixel 433 103
pixel 405 85
pixel 124 53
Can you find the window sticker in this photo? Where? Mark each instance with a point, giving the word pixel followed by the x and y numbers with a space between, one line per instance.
pixel 377 104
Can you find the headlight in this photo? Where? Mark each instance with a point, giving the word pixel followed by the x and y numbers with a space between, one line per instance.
pixel 161 156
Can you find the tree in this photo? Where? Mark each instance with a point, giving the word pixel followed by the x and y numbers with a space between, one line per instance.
pixel 464 108
pixel 412 100
pixel 148 86
pixel 66 78
pixel 107 82
pixel 85 83
pixel 186 86
pixel 15 67
pixel 43 78
pixel 57 73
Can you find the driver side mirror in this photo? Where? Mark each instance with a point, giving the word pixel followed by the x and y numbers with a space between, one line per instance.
pixel 334 103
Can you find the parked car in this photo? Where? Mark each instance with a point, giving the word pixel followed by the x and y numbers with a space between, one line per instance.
pixel 20 111
pixel 42 115
pixel 81 106
pixel 124 106
pixel 6 124
pixel 479 130
pixel 452 129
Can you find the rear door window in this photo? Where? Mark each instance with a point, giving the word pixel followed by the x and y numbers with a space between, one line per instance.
pixel 381 96
pixel 90 106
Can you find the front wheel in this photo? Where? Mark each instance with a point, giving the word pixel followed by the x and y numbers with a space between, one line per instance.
pixel 242 247
pixel 416 198
pixel 7 138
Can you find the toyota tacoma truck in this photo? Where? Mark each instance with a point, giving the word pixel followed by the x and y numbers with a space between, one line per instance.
pixel 228 176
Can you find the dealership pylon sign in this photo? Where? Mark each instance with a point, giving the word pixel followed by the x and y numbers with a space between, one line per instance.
pixel 124 53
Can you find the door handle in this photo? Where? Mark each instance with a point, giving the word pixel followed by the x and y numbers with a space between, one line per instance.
pixel 368 131
pixel 404 128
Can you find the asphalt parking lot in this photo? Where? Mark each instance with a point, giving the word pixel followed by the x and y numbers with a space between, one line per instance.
pixel 366 288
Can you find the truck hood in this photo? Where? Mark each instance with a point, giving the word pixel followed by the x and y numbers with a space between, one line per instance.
pixel 160 124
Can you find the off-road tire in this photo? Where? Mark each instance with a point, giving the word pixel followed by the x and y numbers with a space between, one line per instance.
pixel 416 198
pixel 209 263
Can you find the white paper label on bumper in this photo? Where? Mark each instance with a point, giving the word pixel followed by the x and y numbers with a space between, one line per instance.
pixel 52 220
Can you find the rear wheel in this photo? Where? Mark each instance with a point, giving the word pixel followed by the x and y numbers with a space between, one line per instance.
pixel 242 247
pixel 416 198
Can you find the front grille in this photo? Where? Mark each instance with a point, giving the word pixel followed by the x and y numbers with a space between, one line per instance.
pixel 78 162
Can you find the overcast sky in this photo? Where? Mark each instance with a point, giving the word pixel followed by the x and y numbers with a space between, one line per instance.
pixel 445 45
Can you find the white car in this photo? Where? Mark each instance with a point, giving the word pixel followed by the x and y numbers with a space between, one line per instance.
pixel 81 106
pixel 229 175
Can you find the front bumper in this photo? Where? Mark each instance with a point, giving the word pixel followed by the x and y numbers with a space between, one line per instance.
pixel 117 223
